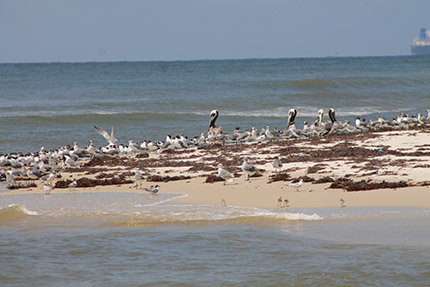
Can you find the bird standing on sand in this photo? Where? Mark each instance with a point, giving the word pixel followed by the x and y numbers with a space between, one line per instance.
pixel 152 189
pixel 297 185
pixel 342 202
pixel 73 184
pixel 137 177
pixel 224 174
pixel 248 168
pixel 279 202
pixel 277 163
pixel 47 189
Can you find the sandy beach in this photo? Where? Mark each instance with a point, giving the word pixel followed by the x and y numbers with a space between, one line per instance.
pixel 390 168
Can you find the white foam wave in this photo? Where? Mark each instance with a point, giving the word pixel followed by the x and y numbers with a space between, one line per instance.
pixel 22 208
pixel 304 112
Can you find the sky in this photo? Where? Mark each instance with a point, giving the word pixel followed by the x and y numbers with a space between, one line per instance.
pixel 153 30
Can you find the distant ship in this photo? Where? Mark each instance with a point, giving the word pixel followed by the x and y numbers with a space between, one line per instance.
pixel 421 45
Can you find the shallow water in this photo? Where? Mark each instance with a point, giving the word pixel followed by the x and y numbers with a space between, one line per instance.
pixel 132 239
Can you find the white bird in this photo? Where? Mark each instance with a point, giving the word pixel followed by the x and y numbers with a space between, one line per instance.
pixel 152 189
pixel 224 174
pixel 248 168
pixel 73 184
pixel 342 202
pixel 297 185
pixel 277 163
pixel 137 177
pixel 91 148
pixel 111 139
pixel 70 162
pixel 47 189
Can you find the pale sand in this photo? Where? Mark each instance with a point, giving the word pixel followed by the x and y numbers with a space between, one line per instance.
pixel 259 193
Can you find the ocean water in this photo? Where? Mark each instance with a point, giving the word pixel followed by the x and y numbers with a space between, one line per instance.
pixel 55 104
pixel 132 239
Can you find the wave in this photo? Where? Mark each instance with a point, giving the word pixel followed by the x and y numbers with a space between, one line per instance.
pixel 14 211
pixel 278 112
pixel 207 214
pixel 344 83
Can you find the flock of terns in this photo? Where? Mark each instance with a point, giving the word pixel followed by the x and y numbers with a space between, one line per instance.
pixel 47 164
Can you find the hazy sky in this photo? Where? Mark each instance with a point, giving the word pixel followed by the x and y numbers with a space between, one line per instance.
pixel 115 30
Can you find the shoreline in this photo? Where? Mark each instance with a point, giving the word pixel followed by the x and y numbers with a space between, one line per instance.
pixel 365 158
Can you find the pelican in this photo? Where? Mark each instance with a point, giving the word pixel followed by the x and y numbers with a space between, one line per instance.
pixel 213 129
pixel 292 113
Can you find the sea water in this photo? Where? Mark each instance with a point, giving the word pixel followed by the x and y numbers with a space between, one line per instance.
pixel 133 239
pixel 55 104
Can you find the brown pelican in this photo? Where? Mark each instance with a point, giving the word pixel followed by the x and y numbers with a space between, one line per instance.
pixel 292 113
pixel 214 131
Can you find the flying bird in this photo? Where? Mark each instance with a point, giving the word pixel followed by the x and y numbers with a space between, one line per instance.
pixel 111 139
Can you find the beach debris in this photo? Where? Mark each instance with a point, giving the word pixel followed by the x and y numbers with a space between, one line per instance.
pixel 350 185
pixel 88 182
pixel 282 176
pixel 324 179
pixel 213 178
pixel 316 168
pixel 158 178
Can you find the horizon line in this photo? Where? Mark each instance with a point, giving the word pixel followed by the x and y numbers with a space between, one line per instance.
pixel 200 60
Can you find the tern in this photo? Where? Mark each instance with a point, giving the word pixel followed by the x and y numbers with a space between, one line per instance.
pixel 111 139
pixel 152 189
pixel 297 185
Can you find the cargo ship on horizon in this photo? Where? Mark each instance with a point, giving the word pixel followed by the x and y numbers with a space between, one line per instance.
pixel 421 45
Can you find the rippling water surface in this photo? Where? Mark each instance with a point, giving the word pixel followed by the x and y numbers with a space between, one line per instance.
pixel 55 104
pixel 132 239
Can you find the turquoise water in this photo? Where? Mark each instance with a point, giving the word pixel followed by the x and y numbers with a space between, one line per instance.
pixel 55 104
pixel 132 239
